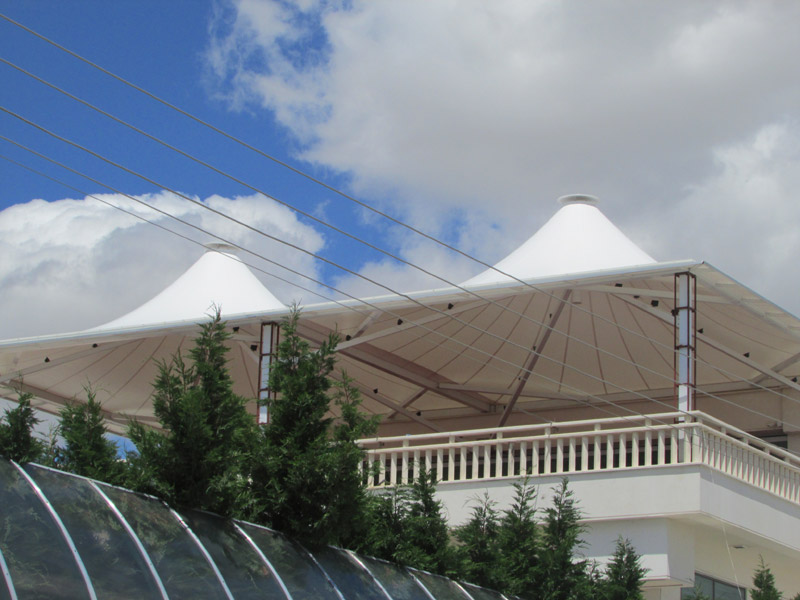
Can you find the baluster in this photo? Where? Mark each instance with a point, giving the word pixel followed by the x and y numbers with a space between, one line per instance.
pixel 598 453
pixel 623 451
pixel 635 449
pixel 393 469
pixel 439 465
pixel 687 445
pixel 498 456
pixel 560 455
pixel 572 455
pixel 451 460
pixel 548 458
pixel 585 453
pixel 673 446
pixel 610 451
pixel 523 459
pixel 475 462
pixel 416 465
pixel 463 463
pixel 404 474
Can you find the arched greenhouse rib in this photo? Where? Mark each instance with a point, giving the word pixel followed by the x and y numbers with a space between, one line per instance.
pixel 65 536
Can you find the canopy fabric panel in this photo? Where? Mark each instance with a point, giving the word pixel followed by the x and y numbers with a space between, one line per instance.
pixel 442 359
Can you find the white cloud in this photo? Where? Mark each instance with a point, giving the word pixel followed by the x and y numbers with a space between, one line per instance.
pixel 491 110
pixel 77 263
pixel 743 218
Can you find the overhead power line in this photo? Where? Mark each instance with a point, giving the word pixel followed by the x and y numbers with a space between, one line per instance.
pixel 153 96
pixel 336 191
pixel 447 338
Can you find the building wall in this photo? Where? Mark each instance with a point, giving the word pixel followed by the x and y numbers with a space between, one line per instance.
pixel 682 519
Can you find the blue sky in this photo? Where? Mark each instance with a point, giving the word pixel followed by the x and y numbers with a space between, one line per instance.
pixel 464 119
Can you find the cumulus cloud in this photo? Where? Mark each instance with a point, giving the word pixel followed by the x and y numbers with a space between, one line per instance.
pixel 743 218
pixel 490 110
pixel 78 263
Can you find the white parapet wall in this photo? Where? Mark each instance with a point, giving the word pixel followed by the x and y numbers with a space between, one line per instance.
pixel 694 498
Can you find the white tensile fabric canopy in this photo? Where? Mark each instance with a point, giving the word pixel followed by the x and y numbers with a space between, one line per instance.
pixel 597 340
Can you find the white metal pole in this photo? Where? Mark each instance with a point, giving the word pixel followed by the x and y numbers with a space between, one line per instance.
pixel 685 347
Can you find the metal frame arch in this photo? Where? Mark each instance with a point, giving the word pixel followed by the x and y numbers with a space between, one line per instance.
pixel 354 557
pixel 137 542
pixel 203 550
pixel 264 558
pixel 60 524
pixel 324 572
pixel 7 577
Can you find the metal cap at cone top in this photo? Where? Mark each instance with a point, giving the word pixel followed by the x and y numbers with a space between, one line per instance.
pixel 578 199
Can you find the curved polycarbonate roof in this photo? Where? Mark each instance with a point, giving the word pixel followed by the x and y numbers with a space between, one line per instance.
pixel 63 536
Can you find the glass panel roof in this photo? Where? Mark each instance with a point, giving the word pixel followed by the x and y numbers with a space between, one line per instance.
pixel 114 564
pixel 134 546
pixel 38 558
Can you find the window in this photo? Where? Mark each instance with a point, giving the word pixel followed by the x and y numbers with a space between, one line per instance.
pixel 713 589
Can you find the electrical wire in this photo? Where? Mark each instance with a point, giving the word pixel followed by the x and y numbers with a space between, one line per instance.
pixel 310 178
pixel 354 200
pixel 361 240
pixel 373 306
pixel 374 282
pixel 517 368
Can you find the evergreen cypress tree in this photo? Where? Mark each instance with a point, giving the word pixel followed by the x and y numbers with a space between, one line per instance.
pixel 561 575
pixel 624 574
pixel 306 474
pixel 200 459
pixel 518 544
pixel 386 518
pixel 480 551
pixel 426 541
pixel 764 584
pixel 347 505
pixel 17 441
pixel 87 452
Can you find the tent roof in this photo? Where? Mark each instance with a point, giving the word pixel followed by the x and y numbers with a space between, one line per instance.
pixel 217 280
pixel 450 358
pixel 577 239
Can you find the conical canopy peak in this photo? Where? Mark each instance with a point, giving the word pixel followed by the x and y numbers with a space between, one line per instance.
pixel 579 238
pixel 219 279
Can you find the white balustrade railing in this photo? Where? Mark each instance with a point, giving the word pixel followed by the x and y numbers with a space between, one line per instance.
pixel 642 442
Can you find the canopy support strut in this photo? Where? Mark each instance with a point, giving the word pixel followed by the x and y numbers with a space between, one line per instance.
pixel 268 347
pixel 685 314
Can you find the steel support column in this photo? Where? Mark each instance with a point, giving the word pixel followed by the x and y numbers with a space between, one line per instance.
pixel 268 347
pixel 685 314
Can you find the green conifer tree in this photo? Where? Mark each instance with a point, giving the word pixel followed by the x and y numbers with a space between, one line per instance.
pixel 426 541
pixel 764 584
pixel 17 441
pixel 624 574
pixel 306 474
pixel 86 450
pixel 561 576
pixel 518 544
pixel 349 496
pixel 386 518
pixel 200 459
pixel 479 551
